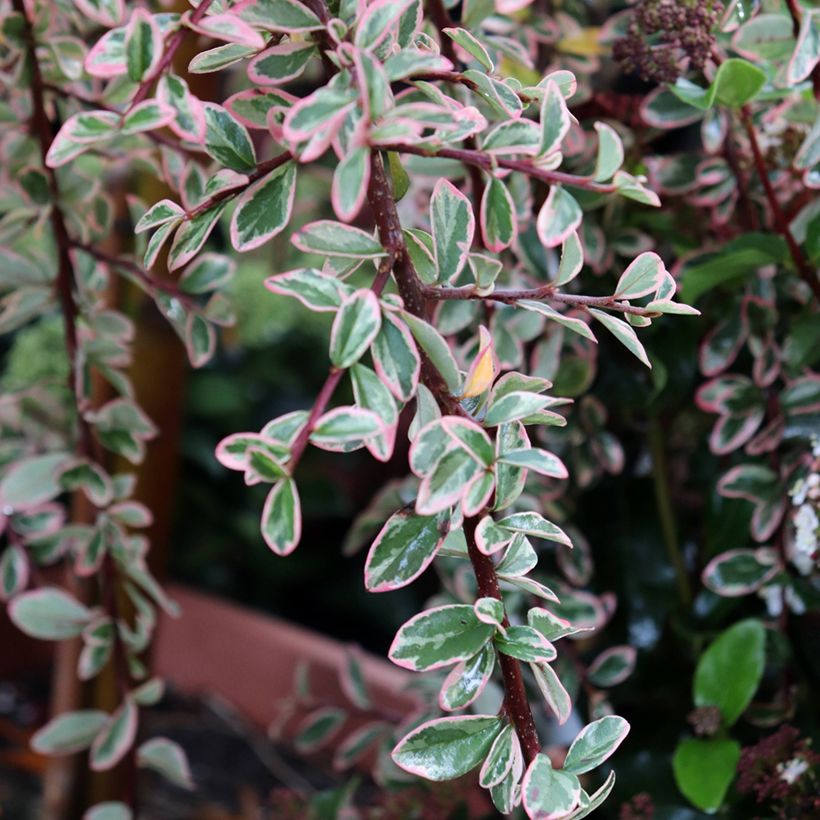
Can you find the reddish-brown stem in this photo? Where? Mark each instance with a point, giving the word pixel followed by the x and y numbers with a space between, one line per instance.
pixel 748 215
pixel 544 293
pixel 171 48
pixel 380 197
pixel 332 380
pixel 319 407
pixel 805 270
pixel 85 446
pixel 145 278
pixel 459 79
pixel 515 694
pixel 263 168
pixel 64 284
pixel 796 14
pixel 487 162
pixel 442 20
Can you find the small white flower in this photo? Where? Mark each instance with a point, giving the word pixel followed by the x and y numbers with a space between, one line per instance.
pixel 792 771
pixel 772 596
pixel 803 548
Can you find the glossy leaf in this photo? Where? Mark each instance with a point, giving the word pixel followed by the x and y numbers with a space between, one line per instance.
pixel 264 209
pixel 451 216
pixel 168 758
pixel 447 748
pixel 69 732
pixel 704 770
pixel 548 793
pixel 403 549
pixel 439 637
pixel 49 613
pixel 729 671
pixel 355 327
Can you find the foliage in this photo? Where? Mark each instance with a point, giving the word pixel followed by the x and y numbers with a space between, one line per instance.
pixel 466 200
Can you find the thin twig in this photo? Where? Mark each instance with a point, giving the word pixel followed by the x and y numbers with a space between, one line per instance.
pixel 86 447
pixel 545 293
pixel 488 162
pixel 149 282
pixel 380 197
pixel 805 270
pixel 263 168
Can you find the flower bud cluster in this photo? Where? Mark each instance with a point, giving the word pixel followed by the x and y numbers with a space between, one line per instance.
pixel 667 38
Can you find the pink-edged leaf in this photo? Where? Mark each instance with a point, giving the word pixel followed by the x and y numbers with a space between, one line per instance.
pixel 280 63
pixel 106 58
pixel 643 276
pixel 478 493
pixel 143 45
pixel 547 793
pixel 350 181
pixel 555 119
pixel 740 571
pixel 378 22
pixel 447 748
pixel 228 27
pixel 526 644
pixel 721 345
pixel 468 435
pixel 403 549
pixel 448 481
pixel 264 209
pixel 767 517
pixel 168 758
pixel 115 738
pixel 282 517
pixel 538 460
pixel 192 235
pixel 49 613
pixel 453 223
pixel 69 732
pixel 439 637
pixel 315 290
pixel 500 759
pixel 352 678
pixel 499 223
pixel 319 728
pixel 345 424
pixel 396 357
pixel 731 432
pixel 467 680
pixel 189 123
pixel 595 743
pixel 532 586
pixel 233 451
pixel 14 571
pixel 801 396
pixel 753 482
pixel 612 666
pixel 355 327
pixel 280 15
pixel 359 743
pixel 107 13
pixel 490 537
pixel 560 216
pixel 556 696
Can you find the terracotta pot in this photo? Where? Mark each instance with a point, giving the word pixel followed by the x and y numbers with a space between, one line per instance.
pixel 249 658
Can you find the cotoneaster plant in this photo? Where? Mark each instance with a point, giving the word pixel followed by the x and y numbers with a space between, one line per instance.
pixel 747 77
pixel 430 295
